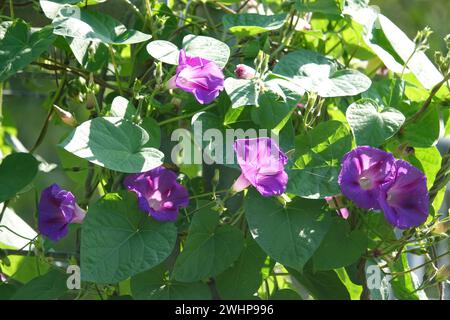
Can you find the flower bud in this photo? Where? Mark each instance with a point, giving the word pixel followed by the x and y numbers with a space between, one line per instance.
pixel 65 116
pixel 244 72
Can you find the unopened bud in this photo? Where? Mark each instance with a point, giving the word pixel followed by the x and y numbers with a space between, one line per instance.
pixel 244 72
pixel 65 116
pixel 441 227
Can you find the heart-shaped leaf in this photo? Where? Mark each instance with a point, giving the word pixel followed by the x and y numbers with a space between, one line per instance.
pixel 208 48
pixel 118 240
pixel 209 249
pixel 113 143
pixel 74 22
pixel 340 247
pixel 318 153
pixel 288 234
pixel 19 47
pixel 16 172
pixel 251 24
pixel 371 126
pixel 316 73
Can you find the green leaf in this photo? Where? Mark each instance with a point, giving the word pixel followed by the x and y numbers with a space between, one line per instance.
pixel 50 286
pixel 154 131
pixel 242 92
pixel 208 48
pixel 19 47
pixel 288 234
pixel 403 284
pixel 428 160
pixel 322 285
pixel 210 248
pixel 317 160
pixel 316 73
pixel 92 55
pixel 163 51
pixel 418 63
pixel 154 284
pixel 17 171
pixel 113 143
pixel 285 294
pixel 423 133
pixel 118 240
pixel 243 279
pixel 122 108
pixel 90 25
pixel 340 247
pixel 370 125
pixel 251 24
pixel 333 7
pixel 51 7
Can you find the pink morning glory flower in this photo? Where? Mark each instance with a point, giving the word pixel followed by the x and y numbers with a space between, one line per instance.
pixel 363 171
pixel 405 199
pixel 201 77
pixel 262 164
pixel 57 209
pixel 158 192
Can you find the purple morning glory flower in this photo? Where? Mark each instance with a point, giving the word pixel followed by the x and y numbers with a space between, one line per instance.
pixel 201 77
pixel 405 200
pixel 158 192
pixel 57 209
pixel 262 164
pixel 363 171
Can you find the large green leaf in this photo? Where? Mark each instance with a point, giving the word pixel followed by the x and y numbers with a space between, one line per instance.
pixel 114 143
pixel 340 247
pixel 316 73
pixel 251 24
pixel 418 63
pixel 118 240
pixel 50 286
pixel 243 279
pixel 154 284
pixel 209 249
pixel 288 234
pixel 317 157
pixel 208 48
pixel 370 125
pixel 90 25
pixel 242 92
pixel 16 172
pixel 19 47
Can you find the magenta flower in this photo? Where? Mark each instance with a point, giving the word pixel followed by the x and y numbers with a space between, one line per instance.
pixel 262 164
pixel 363 171
pixel 405 200
pixel 57 209
pixel 158 192
pixel 244 72
pixel 199 76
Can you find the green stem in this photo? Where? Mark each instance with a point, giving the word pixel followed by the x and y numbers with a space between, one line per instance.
pixel 208 194
pixel 11 9
pixel 427 102
pixel 116 70
pixel 49 115
pixel 164 122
